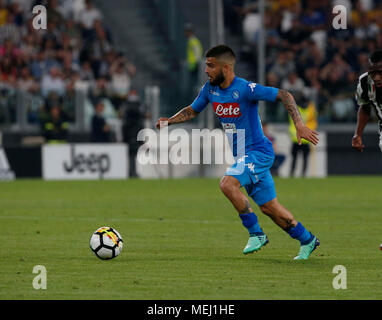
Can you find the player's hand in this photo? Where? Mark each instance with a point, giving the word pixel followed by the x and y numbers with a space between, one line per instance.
pixel 356 143
pixel 303 132
pixel 161 123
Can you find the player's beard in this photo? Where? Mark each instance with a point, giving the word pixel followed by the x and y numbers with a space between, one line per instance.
pixel 218 79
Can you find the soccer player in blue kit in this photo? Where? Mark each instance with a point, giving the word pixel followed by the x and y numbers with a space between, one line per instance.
pixel 235 102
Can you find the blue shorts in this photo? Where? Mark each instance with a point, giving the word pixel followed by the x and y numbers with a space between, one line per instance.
pixel 253 173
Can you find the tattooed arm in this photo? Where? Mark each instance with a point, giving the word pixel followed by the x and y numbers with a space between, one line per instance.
pixel 302 130
pixel 183 115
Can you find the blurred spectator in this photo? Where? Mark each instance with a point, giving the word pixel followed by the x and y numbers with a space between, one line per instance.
pixel 309 56
pixel 282 66
pixel 72 31
pixel 293 83
pixel 194 57
pixel 42 64
pixel 100 47
pixel 367 28
pixel 8 48
pixel 29 45
pixel 66 8
pixel 9 29
pixel 272 109
pixel 8 72
pixel 25 6
pixel 86 72
pixel 133 115
pixel 296 35
pixel 289 12
pixel 312 18
pixel 272 80
pixel 362 63
pixel 3 13
pixel 121 72
pixel 106 63
pixel 35 105
pixel 68 66
pixel 87 18
pixel 100 90
pixel 233 15
pixel 309 117
pixel 100 130
pixel 69 102
pixel 272 49
pixel 53 12
pixel 25 80
pixel 52 82
pixel 54 128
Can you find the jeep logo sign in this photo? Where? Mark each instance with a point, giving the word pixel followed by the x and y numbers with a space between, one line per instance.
pixel 81 162
pixel 85 161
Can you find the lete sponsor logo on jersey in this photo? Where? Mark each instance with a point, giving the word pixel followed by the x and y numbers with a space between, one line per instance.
pixel 227 110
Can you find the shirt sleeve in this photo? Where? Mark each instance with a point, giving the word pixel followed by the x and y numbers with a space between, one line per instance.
pixel 258 92
pixel 201 100
pixel 361 94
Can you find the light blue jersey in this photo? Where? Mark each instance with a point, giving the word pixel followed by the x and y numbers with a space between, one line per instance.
pixel 237 108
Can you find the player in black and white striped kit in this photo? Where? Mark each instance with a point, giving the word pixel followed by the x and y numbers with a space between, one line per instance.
pixel 368 95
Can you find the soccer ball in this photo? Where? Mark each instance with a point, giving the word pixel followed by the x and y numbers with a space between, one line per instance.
pixel 106 243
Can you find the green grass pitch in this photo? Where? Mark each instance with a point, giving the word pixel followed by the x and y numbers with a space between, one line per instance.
pixel 183 240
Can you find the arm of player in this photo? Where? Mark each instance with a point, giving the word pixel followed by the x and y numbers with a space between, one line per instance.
pixel 363 116
pixel 183 115
pixel 303 132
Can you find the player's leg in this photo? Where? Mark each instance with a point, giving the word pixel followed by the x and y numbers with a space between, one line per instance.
pixel 265 197
pixel 230 186
pixel 285 220
pixel 279 214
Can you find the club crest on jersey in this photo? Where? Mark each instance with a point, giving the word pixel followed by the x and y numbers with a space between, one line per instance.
pixel 235 94
pixel 227 110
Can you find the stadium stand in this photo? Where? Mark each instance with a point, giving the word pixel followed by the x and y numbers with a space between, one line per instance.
pixel 83 57
pixel 305 52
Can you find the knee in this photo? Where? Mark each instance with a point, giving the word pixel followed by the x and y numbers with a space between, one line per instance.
pixel 227 186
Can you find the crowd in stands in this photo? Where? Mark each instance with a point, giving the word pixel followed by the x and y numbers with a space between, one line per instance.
pixel 306 53
pixel 75 52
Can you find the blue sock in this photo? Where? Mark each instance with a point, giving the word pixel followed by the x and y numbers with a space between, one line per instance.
pixel 300 233
pixel 249 220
